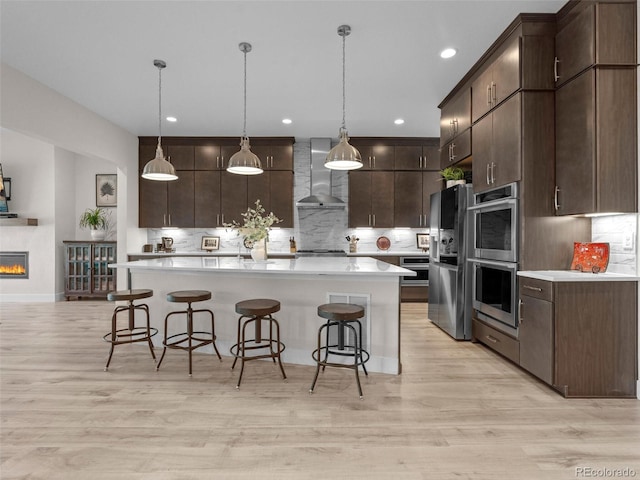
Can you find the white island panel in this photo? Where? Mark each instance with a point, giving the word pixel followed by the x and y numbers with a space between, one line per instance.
pixel 301 285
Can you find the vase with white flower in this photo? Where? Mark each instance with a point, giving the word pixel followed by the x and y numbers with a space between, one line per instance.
pixel 255 229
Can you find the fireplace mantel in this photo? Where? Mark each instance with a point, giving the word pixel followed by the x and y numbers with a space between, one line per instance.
pixel 18 222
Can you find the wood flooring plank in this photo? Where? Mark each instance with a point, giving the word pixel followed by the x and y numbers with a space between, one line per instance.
pixel 458 411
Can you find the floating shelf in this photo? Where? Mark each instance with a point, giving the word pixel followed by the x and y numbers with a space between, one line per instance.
pixel 18 222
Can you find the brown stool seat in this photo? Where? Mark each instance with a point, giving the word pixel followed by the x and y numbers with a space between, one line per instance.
pixel 340 311
pixel 254 312
pixel 191 339
pixel 258 306
pixel 343 318
pixel 188 296
pixel 129 295
pixel 131 333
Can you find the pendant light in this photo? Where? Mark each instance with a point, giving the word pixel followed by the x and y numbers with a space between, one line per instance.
pixel 159 168
pixel 245 162
pixel 343 156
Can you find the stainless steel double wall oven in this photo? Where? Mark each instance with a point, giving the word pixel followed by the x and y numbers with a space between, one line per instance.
pixel 494 261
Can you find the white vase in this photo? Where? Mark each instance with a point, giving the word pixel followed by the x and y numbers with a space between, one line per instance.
pixel 450 183
pixel 460 182
pixel 98 234
pixel 259 250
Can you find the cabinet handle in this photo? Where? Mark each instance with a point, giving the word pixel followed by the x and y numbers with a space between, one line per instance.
pixel 455 126
pixel 491 339
pixel 374 219
pixel 535 289
pixel 520 305
pixel 169 219
pixel 556 77
pixel 218 162
pixel 453 149
pixel 487 174
pixel 493 177
pixel 223 218
pixel 164 219
pixel 493 93
pixel 489 95
pixel 556 205
pixel 374 161
pixel 222 162
pixel 369 220
pixel 217 219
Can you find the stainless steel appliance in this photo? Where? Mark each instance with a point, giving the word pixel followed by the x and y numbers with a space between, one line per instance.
pixel 449 278
pixel 495 224
pixel 420 265
pixel 495 289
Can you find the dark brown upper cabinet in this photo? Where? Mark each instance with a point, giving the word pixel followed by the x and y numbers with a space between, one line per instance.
pixel 596 143
pixel 455 116
pixel 594 34
pixel 417 157
pixel 456 150
pixel 274 157
pixel 376 155
pixel 412 198
pixel 274 189
pixel 371 199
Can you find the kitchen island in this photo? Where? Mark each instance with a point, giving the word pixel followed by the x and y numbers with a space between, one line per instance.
pixel 301 285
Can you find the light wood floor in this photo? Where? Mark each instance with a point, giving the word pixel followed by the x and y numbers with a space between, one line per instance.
pixel 457 412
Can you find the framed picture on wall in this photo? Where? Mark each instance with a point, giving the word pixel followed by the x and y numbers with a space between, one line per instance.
pixel 106 190
pixel 422 240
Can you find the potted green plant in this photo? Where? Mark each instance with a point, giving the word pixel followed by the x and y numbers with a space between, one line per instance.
pixel 97 220
pixel 453 176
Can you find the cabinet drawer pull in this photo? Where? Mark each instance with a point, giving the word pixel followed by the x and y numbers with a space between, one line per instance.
pixel 491 339
pixel 529 287
pixel 556 204
pixel 556 77
pixel 520 307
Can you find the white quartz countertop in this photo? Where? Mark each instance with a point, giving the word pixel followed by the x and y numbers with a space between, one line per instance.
pixel 215 253
pixel 575 276
pixel 352 266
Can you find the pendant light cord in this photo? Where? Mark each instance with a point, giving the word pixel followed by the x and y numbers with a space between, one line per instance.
pixel 344 127
pixel 244 125
pixel 159 105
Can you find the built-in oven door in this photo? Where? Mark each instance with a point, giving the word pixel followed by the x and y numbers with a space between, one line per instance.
pixel 496 230
pixel 495 290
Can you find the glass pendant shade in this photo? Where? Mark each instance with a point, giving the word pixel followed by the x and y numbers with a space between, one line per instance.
pixel 245 162
pixel 343 156
pixel 159 168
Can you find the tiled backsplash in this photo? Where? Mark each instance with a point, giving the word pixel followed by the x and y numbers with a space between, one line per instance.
pixel 315 227
pixel 620 231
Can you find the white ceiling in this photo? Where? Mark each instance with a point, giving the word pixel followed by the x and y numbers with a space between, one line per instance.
pixel 100 54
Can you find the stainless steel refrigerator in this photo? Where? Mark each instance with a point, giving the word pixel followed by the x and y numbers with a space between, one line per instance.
pixel 450 241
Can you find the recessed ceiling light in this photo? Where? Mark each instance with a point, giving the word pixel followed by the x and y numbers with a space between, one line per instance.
pixel 398 121
pixel 172 119
pixel 448 52
pixel 287 121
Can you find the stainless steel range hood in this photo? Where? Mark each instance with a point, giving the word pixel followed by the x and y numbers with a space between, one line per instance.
pixel 320 181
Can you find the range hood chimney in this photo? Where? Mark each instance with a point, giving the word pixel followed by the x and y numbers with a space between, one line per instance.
pixel 320 181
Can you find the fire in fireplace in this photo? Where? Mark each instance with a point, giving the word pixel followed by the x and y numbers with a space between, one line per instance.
pixel 14 264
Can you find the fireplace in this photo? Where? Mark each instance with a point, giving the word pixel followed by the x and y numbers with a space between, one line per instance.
pixel 14 264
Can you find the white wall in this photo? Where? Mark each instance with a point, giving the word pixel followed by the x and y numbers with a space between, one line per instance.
pixel 30 164
pixel 48 118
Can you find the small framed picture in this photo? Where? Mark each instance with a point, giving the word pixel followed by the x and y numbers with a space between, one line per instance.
pixel 210 243
pixel 106 190
pixel 422 240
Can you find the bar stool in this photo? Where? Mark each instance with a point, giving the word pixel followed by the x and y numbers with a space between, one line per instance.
pixel 131 334
pixel 201 338
pixel 256 311
pixel 341 315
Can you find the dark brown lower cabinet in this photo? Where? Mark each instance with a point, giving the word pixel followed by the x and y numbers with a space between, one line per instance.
pixel 580 337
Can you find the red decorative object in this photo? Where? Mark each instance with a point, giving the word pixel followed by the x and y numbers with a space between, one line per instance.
pixel 590 257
